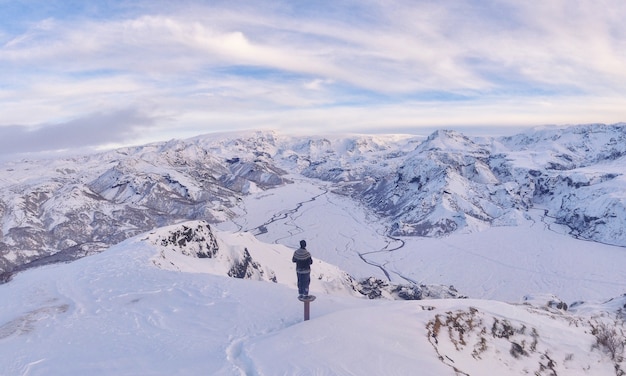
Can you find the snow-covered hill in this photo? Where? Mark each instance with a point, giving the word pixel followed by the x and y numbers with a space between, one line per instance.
pixel 241 255
pixel 166 303
pixel 63 209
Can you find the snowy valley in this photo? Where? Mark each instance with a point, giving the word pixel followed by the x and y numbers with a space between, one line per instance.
pixel 437 255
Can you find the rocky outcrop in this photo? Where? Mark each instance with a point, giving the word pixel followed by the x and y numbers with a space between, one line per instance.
pixel 197 241
pixel 375 288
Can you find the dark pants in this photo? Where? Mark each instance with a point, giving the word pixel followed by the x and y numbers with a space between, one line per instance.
pixel 303 283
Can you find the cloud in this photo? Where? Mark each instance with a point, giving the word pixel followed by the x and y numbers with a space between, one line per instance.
pixel 196 66
pixel 409 47
pixel 89 131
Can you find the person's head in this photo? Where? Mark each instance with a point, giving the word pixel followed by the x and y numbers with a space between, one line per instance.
pixel 302 244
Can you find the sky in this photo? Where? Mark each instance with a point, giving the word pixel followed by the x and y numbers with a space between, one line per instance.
pixel 96 74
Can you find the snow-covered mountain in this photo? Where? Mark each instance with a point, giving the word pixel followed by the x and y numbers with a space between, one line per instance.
pixel 62 209
pixel 450 182
pixel 196 274
pixel 170 302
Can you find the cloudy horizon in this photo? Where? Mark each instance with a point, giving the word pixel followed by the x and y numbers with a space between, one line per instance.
pixel 90 74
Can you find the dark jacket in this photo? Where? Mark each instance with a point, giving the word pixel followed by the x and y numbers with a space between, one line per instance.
pixel 303 260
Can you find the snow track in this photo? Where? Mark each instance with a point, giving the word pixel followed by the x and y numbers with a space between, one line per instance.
pixel 235 354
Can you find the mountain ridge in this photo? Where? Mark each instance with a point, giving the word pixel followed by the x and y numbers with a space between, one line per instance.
pixel 63 209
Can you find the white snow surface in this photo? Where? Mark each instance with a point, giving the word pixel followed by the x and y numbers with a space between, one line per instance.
pixel 141 309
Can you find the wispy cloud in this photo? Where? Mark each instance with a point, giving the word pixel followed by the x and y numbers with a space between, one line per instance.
pixel 248 64
pixel 85 132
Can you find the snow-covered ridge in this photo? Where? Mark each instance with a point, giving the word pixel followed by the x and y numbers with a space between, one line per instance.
pixel 196 247
pixel 159 304
pixel 59 210
pixel 511 338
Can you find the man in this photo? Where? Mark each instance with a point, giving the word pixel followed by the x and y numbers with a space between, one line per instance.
pixel 303 261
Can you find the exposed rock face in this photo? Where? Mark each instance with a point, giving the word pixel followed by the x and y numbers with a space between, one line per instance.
pixel 197 241
pixel 375 288
pixel 246 268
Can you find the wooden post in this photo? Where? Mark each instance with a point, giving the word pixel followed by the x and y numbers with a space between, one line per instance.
pixel 307 304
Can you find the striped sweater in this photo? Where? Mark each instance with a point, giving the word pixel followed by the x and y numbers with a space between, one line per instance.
pixel 303 260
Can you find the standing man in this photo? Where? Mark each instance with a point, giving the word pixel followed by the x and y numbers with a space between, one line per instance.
pixel 303 261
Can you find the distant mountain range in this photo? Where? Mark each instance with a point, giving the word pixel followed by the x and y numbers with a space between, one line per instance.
pixel 62 209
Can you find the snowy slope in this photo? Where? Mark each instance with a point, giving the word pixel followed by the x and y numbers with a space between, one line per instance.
pixel 122 312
